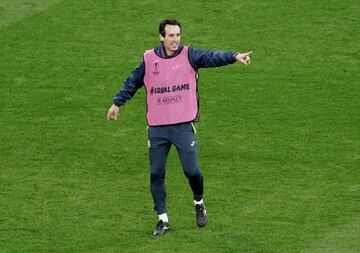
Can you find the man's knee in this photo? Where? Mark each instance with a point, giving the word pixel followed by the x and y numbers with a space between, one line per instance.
pixel 157 176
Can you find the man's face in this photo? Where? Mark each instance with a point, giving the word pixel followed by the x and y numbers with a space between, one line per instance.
pixel 172 38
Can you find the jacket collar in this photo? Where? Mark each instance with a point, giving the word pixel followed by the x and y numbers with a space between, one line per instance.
pixel 161 52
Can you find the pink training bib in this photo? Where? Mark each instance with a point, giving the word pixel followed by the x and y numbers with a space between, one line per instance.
pixel 171 89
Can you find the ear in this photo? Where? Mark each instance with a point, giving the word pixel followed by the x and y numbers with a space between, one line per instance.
pixel 161 38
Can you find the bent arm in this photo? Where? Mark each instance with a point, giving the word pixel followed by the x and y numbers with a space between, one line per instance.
pixel 128 90
pixel 131 85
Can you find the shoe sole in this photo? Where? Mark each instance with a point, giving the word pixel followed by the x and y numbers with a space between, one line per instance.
pixel 164 232
pixel 202 225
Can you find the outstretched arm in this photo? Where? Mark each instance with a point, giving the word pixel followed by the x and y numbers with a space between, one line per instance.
pixel 200 58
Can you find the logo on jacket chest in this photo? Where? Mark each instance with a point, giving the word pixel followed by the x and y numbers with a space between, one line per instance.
pixel 156 69
pixel 175 67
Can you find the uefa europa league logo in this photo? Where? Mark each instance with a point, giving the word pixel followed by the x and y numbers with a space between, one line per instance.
pixel 156 71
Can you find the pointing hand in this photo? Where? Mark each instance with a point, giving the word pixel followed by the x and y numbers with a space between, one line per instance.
pixel 244 58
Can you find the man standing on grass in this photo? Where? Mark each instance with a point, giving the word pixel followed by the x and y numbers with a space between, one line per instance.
pixel 169 73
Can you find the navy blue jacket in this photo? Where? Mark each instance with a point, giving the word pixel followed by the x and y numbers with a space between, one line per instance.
pixel 198 58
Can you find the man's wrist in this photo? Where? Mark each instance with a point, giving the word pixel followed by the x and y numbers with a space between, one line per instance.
pixel 116 104
pixel 234 56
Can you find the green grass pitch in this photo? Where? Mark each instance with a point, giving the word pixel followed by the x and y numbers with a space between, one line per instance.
pixel 279 142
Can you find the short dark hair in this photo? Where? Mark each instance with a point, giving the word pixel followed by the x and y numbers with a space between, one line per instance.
pixel 167 22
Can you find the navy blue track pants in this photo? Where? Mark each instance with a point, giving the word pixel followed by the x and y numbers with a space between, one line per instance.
pixel 161 138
